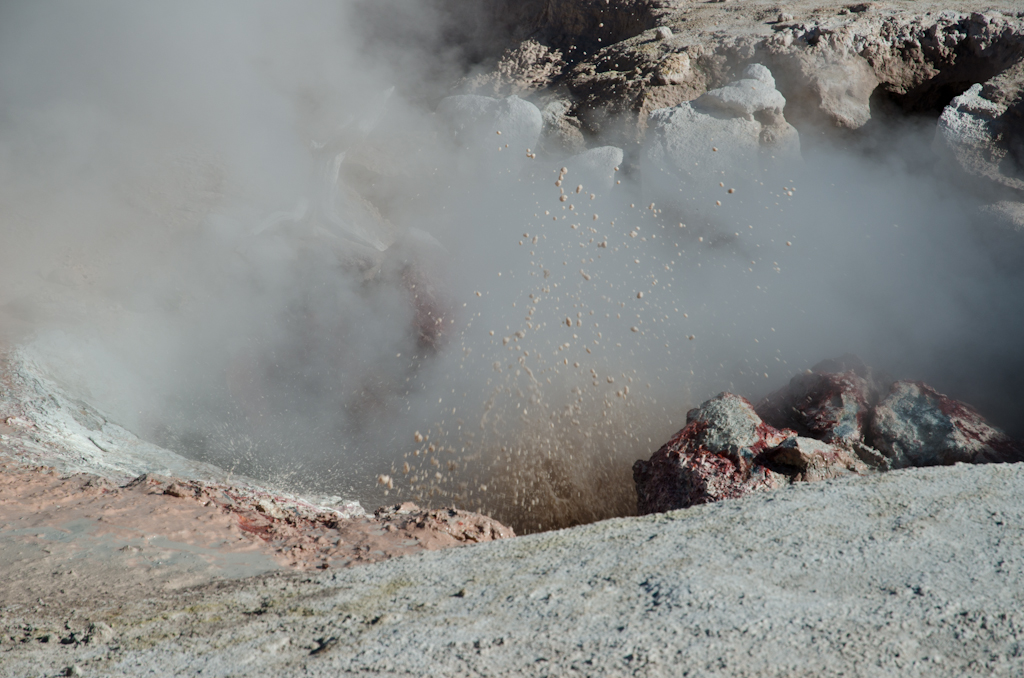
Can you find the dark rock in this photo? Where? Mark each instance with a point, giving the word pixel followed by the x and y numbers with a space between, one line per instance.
pixel 915 425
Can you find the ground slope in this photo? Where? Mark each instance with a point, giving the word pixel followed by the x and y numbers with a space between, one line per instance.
pixel 915 572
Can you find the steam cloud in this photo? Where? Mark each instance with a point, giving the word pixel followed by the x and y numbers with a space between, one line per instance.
pixel 240 229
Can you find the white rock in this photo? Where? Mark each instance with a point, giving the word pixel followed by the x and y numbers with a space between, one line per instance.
pixel 595 169
pixel 743 98
pixel 475 120
pixel 967 120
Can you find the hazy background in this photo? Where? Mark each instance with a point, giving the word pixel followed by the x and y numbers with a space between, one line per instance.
pixel 184 239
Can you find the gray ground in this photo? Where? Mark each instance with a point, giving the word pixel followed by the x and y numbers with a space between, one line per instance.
pixel 916 572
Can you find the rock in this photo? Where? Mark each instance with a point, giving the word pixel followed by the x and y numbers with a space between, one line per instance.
pixel 561 130
pixel 594 169
pixel 663 32
pixel 871 456
pixel 743 98
pixel 828 87
pixel 714 457
pixel 812 460
pixel 737 130
pixel 523 69
pixel 721 130
pixel 436 528
pixel 474 122
pixel 832 402
pixel 983 136
pixel 674 70
pixel 915 425
pixel 99 633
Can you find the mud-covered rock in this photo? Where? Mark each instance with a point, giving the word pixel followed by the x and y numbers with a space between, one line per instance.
pixel 829 86
pixel 561 131
pixel 915 425
pixel 714 457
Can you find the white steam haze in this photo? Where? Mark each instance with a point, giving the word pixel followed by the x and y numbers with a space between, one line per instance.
pixel 239 229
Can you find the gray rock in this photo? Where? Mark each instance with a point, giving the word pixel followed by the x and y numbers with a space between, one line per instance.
pixel 915 425
pixel 813 460
pixel 561 131
pixel 984 137
pixel 99 633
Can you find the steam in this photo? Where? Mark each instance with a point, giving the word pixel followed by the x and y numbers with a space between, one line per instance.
pixel 244 232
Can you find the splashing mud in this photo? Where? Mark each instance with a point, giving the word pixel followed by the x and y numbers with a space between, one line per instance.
pixel 305 265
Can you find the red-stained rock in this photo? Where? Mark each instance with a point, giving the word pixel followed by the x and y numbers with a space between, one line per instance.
pixel 832 402
pixel 915 425
pixel 714 457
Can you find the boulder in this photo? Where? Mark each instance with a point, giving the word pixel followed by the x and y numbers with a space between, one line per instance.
pixel 915 425
pixel 981 132
pixel 727 451
pixel 730 133
pixel 754 93
pixel 714 457
pixel 830 87
pixel 831 402
pixel 474 121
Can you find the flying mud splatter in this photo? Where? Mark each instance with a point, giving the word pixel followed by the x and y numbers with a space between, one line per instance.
pixel 247 242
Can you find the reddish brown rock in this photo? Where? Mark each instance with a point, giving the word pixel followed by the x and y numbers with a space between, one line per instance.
pixel 832 402
pixel 915 425
pixel 716 456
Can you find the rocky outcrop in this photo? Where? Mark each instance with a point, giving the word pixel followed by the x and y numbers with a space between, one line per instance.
pixel 915 425
pixel 838 419
pixel 627 58
pixel 982 131
pixel 726 451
